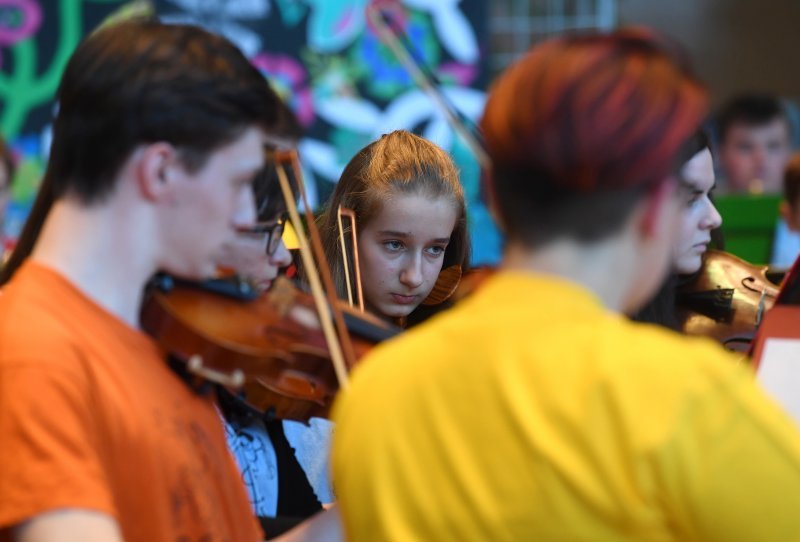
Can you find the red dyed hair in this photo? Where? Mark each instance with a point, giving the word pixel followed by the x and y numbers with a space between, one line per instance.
pixel 594 112
pixel 584 115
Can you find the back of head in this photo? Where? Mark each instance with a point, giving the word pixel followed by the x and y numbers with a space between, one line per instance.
pixel 397 163
pixel 580 127
pixel 141 82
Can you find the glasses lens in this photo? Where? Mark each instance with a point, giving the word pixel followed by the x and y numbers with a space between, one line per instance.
pixel 274 237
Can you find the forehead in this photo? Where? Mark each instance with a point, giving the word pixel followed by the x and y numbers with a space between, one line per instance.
pixel 415 214
pixel 245 153
pixel 698 172
pixel 777 128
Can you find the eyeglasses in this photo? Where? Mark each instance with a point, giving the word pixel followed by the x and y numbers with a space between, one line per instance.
pixel 270 231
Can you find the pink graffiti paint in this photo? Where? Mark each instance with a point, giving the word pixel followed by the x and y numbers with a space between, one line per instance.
pixel 30 19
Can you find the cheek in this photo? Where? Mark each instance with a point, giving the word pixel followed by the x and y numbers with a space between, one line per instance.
pixel 432 270
pixel 374 267
pixel 688 227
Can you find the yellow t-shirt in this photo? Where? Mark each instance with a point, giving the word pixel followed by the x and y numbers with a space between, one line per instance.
pixel 529 412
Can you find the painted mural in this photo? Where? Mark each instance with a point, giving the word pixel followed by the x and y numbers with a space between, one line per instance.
pixel 323 57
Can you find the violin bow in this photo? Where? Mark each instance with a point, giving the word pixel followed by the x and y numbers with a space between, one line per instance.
pixel 396 42
pixel 349 213
pixel 339 343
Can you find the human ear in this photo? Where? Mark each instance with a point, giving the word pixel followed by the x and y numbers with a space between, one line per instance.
pixel 155 172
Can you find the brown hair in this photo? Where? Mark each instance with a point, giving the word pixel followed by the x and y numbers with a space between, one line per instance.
pixel 399 162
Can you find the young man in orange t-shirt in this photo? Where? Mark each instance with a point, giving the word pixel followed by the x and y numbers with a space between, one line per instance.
pixel 159 134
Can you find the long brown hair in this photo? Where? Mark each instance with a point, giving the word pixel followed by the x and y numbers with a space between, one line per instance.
pixel 398 162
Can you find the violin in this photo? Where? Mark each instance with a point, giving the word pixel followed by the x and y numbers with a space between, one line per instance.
pixel 268 345
pixel 726 300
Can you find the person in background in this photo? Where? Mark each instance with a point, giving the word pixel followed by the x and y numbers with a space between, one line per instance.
pixel 533 410
pixel 755 142
pixel 101 438
pixel 786 244
pixel 285 475
pixel 700 218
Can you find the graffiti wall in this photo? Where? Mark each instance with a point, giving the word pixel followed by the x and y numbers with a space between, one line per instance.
pixel 323 57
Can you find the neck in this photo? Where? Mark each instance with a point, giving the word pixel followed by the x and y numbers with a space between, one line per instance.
pixel 607 268
pixel 103 250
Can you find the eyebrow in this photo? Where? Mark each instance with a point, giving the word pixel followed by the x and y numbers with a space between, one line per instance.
pixel 404 235
pixel 689 186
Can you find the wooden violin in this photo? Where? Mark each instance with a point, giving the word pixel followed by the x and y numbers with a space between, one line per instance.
pixel 268 345
pixel 726 300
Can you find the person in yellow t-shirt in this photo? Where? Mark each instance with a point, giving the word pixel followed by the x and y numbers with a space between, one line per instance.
pixel 534 409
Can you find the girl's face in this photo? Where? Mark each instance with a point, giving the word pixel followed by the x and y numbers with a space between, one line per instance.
pixel 700 216
pixel 401 251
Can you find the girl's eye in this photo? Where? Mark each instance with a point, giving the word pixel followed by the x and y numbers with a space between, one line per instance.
pixel 393 245
pixel 436 251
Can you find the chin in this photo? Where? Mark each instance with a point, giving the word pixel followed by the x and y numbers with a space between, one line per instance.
pixel 687 267
pixel 397 312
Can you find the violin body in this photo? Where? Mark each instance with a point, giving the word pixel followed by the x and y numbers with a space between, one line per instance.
pixel 273 339
pixel 726 300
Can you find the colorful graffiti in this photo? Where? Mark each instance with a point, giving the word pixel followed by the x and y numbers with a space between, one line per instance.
pixel 322 56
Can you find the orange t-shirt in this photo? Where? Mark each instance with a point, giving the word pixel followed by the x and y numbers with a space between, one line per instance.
pixel 91 417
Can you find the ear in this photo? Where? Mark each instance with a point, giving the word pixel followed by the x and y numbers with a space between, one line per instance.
pixel 156 171
pixel 653 208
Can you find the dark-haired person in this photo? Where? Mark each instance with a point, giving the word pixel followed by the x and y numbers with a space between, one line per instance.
pixel 755 142
pixel 533 410
pixel 696 180
pixel 284 471
pixel 159 135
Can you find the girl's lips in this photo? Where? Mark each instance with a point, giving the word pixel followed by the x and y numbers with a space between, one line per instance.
pixel 403 299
